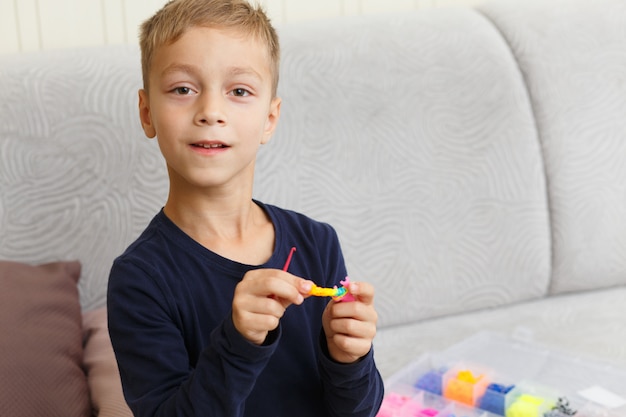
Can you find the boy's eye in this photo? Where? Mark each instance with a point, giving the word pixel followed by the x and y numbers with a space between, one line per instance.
pixel 183 91
pixel 240 92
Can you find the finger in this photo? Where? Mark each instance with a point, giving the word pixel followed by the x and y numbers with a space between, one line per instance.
pixel 276 284
pixel 354 328
pixel 254 316
pixel 285 295
pixel 355 310
pixel 248 307
pixel 303 286
pixel 266 306
pixel 256 322
pixel 350 348
pixel 363 292
pixel 279 285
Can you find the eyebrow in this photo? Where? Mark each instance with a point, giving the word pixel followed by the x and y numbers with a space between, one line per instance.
pixel 245 71
pixel 191 69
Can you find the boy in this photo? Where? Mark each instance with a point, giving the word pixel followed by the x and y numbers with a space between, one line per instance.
pixel 206 316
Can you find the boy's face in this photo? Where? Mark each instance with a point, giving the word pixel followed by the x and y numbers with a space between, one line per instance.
pixel 210 104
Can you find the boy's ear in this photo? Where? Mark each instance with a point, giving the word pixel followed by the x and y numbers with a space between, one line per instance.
pixel 272 120
pixel 144 114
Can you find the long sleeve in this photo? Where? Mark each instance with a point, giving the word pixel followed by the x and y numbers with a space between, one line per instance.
pixel 157 377
pixel 354 390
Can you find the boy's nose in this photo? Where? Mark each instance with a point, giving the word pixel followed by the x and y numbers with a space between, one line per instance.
pixel 210 110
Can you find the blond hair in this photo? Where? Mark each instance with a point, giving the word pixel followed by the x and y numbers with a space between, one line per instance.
pixel 177 16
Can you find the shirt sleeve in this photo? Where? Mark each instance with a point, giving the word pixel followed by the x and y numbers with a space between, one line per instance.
pixel 157 378
pixel 354 389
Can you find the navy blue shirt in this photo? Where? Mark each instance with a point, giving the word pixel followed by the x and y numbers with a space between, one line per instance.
pixel 179 354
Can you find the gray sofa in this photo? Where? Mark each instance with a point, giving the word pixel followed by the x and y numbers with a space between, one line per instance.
pixel 473 162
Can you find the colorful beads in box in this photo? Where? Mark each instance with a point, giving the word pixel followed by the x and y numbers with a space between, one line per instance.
pixel 431 381
pixel 494 398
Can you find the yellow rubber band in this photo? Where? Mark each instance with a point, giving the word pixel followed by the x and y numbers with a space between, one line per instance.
pixel 328 292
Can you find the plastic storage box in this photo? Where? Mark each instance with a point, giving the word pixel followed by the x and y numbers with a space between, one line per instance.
pixel 492 375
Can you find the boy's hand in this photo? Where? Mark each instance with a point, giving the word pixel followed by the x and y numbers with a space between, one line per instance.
pixel 350 327
pixel 261 299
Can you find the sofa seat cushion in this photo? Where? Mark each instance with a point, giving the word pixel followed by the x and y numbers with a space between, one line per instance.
pixel 587 324
pixel 41 345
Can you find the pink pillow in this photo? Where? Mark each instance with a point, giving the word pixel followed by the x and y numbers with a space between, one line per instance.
pixel 41 341
pixel 101 368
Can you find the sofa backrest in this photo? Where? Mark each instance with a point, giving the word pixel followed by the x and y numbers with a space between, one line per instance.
pixel 78 178
pixel 413 135
pixel 572 54
pixel 421 137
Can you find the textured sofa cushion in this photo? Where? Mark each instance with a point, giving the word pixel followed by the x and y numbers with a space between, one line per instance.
pixel 101 368
pixel 78 178
pixel 414 137
pixel 41 346
pixel 574 69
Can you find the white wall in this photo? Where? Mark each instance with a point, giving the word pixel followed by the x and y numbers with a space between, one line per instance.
pixel 30 25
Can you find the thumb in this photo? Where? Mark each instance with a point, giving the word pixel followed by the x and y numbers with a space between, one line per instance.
pixel 362 291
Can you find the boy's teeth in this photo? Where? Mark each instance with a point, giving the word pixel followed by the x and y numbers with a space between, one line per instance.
pixel 209 146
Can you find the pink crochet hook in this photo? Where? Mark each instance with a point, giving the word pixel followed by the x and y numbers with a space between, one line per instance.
pixel 286 267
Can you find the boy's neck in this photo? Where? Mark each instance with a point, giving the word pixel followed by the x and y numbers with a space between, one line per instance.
pixel 233 226
pixel 227 216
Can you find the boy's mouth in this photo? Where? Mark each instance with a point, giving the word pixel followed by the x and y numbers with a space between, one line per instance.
pixel 209 145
